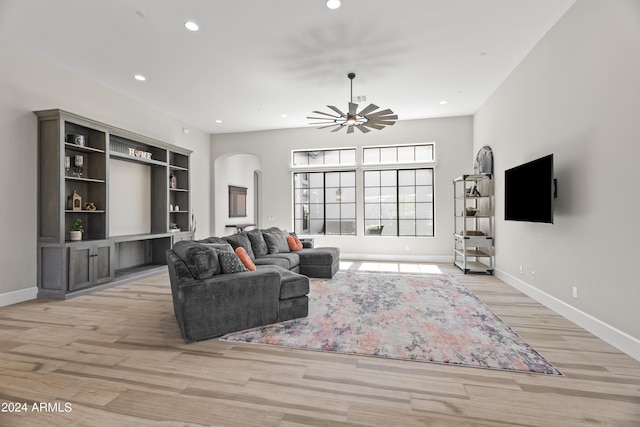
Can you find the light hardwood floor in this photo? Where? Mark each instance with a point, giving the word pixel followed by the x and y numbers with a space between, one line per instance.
pixel 116 358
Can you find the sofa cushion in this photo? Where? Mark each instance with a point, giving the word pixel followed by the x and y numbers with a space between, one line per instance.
pixel 240 240
pixel 245 258
pixel 258 244
pixel 276 241
pixel 271 260
pixel 291 259
pixel 220 246
pixel 213 239
pixel 201 260
pixel 230 262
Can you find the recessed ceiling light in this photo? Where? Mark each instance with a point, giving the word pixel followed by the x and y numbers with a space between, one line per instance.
pixel 283 115
pixel 191 26
pixel 218 121
pixel 333 4
pixel 443 102
pixel 140 77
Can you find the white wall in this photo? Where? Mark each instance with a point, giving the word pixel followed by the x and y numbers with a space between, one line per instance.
pixel 453 138
pixel 576 95
pixel 237 170
pixel 28 83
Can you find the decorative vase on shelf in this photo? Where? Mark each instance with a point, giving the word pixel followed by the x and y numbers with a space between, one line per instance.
pixel 173 181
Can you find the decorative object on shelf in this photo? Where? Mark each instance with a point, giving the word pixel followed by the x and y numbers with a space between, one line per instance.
pixel 139 153
pixel 173 227
pixel 484 161
pixel 76 231
pixel 170 207
pixel 78 162
pixel 74 138
pixel 67 165
pixel 173 181
pixel 365 120
pixel 473 191
pixel 177 208
pixel 193 222
pixel 90 206
pixel 471 211
pixel 74 201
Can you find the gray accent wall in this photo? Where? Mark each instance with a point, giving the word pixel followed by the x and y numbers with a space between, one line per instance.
pixel 576 95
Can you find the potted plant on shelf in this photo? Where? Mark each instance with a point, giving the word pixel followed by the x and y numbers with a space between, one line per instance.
pixel 76 230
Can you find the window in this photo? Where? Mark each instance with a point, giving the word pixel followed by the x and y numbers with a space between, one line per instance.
pixel 395 190
pixel 325 202
pixel 398 202
pixel 419 153
pixel 335 157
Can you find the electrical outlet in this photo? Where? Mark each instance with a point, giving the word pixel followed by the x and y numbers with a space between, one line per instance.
pixel 521 270
pixel 533 275
pixel 575 292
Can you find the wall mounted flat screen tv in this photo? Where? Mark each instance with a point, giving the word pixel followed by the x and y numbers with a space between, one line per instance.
pixel 529 190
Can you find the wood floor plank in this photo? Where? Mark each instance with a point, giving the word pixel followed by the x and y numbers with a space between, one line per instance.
pixel 117 357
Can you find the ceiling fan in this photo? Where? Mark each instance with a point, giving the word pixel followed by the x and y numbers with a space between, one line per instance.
pixel 365 120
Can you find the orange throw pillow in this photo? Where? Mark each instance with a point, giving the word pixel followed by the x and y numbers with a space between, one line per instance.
pixel 245 258
pixel 294 243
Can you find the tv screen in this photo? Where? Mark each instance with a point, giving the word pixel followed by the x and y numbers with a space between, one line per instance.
pixel 529 191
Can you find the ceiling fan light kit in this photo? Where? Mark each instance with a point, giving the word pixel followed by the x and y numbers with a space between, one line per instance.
pixel 365 120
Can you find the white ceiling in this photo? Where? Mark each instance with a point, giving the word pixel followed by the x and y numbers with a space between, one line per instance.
pixel 254 60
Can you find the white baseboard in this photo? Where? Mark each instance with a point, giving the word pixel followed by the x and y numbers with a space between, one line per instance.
pixel 15 297
pixel 617 338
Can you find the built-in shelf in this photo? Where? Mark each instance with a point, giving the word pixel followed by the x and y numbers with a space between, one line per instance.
pixel 67 268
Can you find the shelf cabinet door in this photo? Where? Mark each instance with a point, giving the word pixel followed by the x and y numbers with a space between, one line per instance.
pixel 90 264
pixel 80 265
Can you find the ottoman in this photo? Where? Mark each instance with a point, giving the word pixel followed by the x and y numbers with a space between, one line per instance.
pixel 319 262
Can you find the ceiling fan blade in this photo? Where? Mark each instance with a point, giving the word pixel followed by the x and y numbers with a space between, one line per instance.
pixel 393 117
pixel 337 111
pixel 321 118
pixel 325 114
pixel 338 127
pixel 350 129
pixel 368 109
pixel 325 127
pixel 373 126
pixel 384 122
pixel 363 129
pixel 352 109
pixel 381 113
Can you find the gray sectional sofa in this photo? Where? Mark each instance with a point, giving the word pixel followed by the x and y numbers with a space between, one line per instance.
pixel 214 294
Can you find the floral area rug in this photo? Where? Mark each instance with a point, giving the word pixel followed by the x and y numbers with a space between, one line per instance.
pixel 426 318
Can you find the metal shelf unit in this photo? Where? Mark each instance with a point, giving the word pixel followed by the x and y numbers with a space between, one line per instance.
pixel 473 209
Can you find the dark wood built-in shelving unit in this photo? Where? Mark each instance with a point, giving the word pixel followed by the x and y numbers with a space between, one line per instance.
pixel 67 268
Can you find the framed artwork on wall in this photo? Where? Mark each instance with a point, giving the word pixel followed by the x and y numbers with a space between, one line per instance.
pixel 237 202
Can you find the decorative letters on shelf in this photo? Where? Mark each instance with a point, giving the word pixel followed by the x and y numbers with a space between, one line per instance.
pixel 139 153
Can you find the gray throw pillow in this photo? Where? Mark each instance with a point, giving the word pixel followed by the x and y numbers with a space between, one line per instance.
pixel 276 242
pixel 240 240
pixel 201 260
pixel 230 262
pixel 258 244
